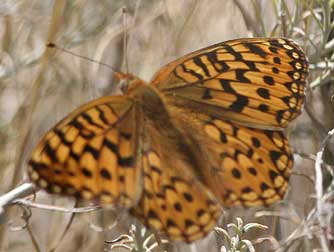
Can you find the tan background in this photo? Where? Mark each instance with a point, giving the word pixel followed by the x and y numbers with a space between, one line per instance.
pixel 38 89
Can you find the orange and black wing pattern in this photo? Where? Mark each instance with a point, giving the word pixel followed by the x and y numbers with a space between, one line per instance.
pixel 174 201
pixel 240 165
pixel 92 154
pixel 255 81
pixel 253 167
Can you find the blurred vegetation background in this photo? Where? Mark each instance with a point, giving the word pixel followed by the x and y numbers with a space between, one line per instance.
pixel 39 86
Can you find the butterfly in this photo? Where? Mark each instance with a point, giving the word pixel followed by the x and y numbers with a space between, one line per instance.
pixel 205 133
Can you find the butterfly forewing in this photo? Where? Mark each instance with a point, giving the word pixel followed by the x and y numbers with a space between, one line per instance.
pixel 92 154
pixel 258 82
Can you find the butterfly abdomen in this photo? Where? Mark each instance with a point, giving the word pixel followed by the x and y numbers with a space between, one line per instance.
pixel 161 118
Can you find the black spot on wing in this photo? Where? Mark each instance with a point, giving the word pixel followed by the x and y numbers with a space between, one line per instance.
pixel 236 173
pixel 263 92
pixel 263 107
pixel 86 172
pixel 188 197
pixel 105 174
pixel 277 60
pixel 273 49
pixel 252 171
pixel 268 80
pixel 223 137
pixel 256 142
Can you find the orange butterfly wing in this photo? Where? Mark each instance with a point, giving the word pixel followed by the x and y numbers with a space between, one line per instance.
pixel 248 166
pixel 92 154
pixel 173 200
pixel 255 81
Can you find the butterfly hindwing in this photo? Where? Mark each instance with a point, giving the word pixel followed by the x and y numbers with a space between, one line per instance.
pixel 247 166
pixel 173 200
pixel 91 154
pixel 258 82
pixel 255 165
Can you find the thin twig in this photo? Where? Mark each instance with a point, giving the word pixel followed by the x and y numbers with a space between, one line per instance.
pixel 17 193
pixel 57 208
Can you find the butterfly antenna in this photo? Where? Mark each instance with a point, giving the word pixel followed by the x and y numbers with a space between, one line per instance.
pixel 117 74
pixel 125 48
pixel 125 39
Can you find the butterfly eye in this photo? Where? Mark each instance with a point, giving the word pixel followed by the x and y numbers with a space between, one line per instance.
pixel 124 86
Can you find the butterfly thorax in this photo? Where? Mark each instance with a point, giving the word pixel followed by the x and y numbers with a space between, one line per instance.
pixel 148 99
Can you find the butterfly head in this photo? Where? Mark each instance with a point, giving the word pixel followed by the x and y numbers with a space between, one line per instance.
pixel 128 82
